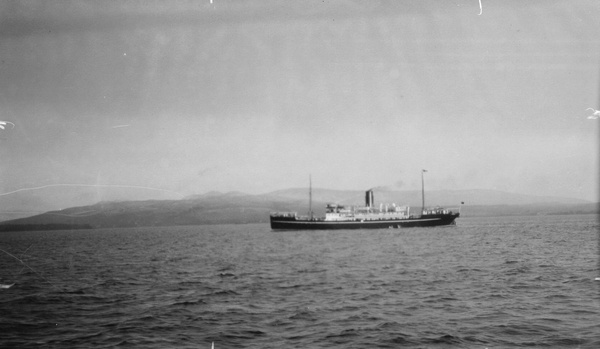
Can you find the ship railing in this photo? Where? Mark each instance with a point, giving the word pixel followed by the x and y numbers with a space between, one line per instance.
pixel 452 210
pixel 439 210
pixel 309 218
pixel 284 214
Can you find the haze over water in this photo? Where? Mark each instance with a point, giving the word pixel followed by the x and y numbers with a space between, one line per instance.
pixel 484 283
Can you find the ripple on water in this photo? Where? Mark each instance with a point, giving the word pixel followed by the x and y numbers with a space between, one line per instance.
pixel 487 282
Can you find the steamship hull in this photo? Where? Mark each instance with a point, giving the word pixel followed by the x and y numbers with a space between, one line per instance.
pixel 294 223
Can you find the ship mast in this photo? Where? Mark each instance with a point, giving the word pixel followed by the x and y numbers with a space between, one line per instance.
pixel 422 191
pixel 310 212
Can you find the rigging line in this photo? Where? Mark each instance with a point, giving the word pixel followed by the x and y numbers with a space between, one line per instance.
pixel 90 185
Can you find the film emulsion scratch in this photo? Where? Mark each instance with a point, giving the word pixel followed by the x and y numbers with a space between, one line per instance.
pixel 595 114
pixel 89 186
pixel 321 174
pixel 4 123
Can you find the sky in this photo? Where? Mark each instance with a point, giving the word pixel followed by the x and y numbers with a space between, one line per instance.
pixel 164 99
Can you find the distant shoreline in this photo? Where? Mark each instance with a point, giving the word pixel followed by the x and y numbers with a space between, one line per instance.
pixel 42 227
pixel 50 227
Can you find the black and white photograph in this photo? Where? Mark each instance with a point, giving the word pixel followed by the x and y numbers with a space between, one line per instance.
pixel 222 174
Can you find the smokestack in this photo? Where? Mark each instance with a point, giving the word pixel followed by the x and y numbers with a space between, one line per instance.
pixel 369 200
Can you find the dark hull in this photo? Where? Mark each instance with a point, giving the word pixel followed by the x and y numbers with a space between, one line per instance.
pixel 290 223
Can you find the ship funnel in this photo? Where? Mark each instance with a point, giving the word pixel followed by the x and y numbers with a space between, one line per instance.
pixel 369 200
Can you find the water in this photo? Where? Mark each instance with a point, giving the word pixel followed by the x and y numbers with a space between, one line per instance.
pixel 485 283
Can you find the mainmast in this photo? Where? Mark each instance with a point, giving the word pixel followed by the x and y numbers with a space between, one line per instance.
pixel 423 191
pixel 310 212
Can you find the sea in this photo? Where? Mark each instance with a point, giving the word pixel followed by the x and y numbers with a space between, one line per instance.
pixel 487 282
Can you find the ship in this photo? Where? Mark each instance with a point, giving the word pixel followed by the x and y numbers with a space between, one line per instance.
pixel 366 217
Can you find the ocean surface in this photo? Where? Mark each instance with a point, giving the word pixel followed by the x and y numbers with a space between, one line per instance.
pixel 499 282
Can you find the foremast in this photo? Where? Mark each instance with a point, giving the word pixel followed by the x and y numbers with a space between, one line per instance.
pixel 423 191
pixel 310 212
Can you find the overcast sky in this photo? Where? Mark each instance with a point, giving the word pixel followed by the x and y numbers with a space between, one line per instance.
pixel 254 96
